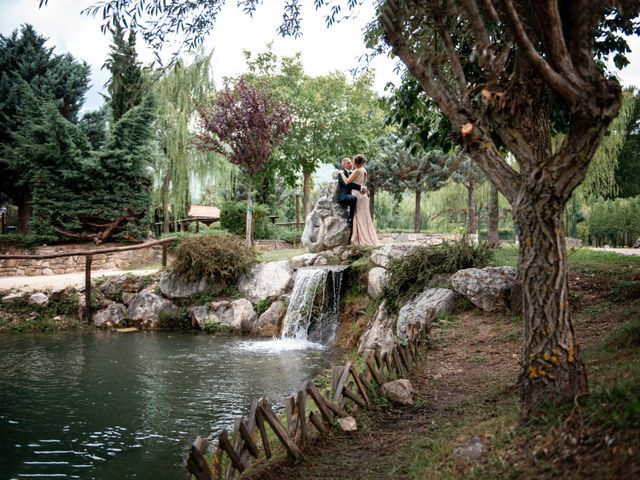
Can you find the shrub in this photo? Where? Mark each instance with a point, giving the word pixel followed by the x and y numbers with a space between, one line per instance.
pixel 291 236
pixel 233 218
pixel 410 274
pixel 263 305
pixel 221 258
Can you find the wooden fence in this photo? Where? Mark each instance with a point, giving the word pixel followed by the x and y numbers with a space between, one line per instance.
pixel 350 389
pixel 88 254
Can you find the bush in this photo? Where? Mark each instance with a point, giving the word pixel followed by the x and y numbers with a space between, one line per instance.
pixel 292 236
pixel 220 258
pixel 615 222
pixel 410 274
pixel 233 218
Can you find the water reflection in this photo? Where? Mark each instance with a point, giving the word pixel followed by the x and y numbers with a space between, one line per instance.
pixel 107 405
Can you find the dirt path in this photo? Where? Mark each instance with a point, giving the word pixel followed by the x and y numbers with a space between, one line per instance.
pixel 43 282
pixel 479 354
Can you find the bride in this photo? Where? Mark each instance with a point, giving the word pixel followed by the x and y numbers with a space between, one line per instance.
pixel 363 232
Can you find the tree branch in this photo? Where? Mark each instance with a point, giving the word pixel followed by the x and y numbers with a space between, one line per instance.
pixel 562 87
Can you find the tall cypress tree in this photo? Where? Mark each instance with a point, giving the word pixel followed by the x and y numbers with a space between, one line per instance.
pixel 126 87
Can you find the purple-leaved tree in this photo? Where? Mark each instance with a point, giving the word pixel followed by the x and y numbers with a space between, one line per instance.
pixel 245 124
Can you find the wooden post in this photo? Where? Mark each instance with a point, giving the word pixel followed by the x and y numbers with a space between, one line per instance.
pixel 165 247
pixel 297 209
pixel 87 288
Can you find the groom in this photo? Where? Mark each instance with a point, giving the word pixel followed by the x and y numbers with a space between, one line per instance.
pixel 345 197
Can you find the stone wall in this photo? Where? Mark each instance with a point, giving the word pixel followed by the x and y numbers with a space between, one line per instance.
pixel 54 266
pixel 427 238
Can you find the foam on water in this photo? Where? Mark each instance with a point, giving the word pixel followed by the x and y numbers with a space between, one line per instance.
pixel 278 345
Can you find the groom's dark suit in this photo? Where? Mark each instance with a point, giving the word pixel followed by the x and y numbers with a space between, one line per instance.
pixel 345 197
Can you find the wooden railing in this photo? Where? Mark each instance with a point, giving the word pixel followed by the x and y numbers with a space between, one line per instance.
pixel 88 254
pixel 350 389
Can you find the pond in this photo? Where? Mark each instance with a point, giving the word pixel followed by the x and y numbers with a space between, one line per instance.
pixel 106 405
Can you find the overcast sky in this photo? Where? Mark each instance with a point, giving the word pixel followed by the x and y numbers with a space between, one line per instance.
pixel 323 49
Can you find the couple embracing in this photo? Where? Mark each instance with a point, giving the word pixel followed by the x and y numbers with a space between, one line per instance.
pixel 352 192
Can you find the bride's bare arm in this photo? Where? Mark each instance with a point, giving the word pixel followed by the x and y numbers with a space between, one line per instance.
pixel 351 177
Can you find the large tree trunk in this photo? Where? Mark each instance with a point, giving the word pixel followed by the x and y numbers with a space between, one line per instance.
pixel 473 218
pixel 551 372
pixel 416 217
pixel 306 194
pixel 164 195
pixel 25 211
pixel 494 217
pixel 249 224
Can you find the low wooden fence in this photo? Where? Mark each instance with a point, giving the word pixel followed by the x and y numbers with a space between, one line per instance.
pixel 350 389
pixel 88 254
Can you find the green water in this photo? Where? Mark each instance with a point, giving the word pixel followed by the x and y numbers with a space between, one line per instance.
pixel 115 406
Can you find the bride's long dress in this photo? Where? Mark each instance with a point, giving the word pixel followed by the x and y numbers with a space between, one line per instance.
pixel 363 233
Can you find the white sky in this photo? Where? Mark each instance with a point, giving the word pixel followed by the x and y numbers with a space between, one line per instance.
pixel 323 49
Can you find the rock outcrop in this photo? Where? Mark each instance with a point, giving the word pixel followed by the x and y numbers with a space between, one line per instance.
pixel 266 280
pixel 421 311
pixel 268 324
pixel 379 335
pixel 238 315
pixel 175 288
pixel 486 288
pixel 40 299
pixel 382 255
pixel 398 391
pixel 376 278
pixel 326 226
pixel 150 310
pixel 114 286
pixel 112 316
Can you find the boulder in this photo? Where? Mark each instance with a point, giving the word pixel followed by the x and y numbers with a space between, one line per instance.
pixel 266 280
pixel 40 299
pixel 326 226
pixel 115 285
pixel 399 391
pixel 175 288
pixel 112 316
pixel 13 297
pixel 378 336
pixel 471 450
pixel 150 310
pixel 304 260
pixel 486 288
pixel 239 315
pixel 382 255
pixel 268 325
pixel 377 276
pixel 348 424
pixel 420 312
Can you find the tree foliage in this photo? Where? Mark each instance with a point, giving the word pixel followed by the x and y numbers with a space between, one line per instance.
pixel 245 124
pixel 27 64
pixel 76 192
pixel 127 84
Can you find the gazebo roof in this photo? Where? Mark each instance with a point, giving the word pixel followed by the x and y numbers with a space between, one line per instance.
pixel 204 212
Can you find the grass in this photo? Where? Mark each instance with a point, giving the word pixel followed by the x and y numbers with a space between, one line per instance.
pixel 284 254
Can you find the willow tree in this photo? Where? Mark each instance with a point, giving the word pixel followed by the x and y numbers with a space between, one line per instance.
pixel 245 124
pixel 177 93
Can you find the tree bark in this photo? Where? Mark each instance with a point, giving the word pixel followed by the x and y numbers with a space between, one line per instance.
pixel 473 217
pixel 164 194
pixel 494 217
pixel 249 224
pixel 551 372
pixel 25 212
pixel 416 218
pixel 306 194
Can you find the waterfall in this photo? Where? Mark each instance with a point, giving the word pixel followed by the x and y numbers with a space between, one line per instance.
pixel 313 308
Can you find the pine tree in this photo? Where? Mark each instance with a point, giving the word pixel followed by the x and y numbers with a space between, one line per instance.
pixel 127 85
